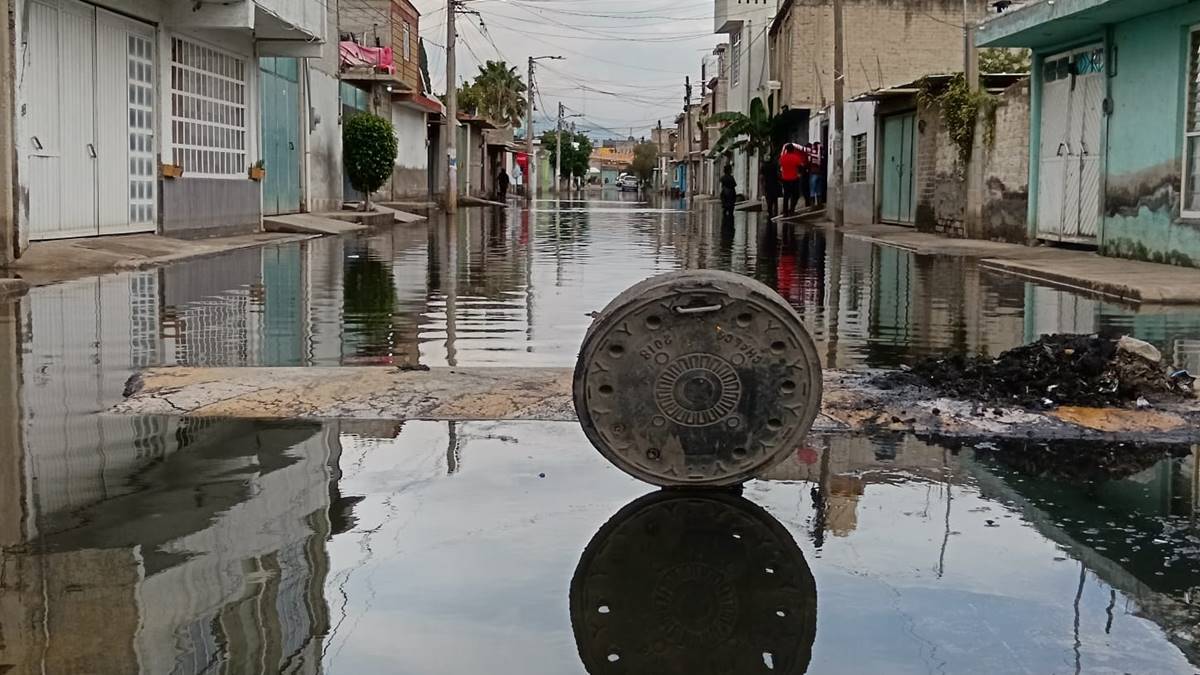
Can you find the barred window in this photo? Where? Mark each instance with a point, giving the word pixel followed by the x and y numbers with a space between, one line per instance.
pixel 208 110
pixel 858 166
pixel 1191 132
pixel 735 58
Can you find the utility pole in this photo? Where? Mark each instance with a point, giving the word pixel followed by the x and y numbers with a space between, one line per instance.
pixel 687 158
pixel 529 135
pixel 451 110
pixel 558 149
pixel 973 216
pixel 837 196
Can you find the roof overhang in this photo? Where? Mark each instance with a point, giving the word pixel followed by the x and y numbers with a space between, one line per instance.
pixel 1051 23
pixel 994 83
pixel 420 102
pixel 476 121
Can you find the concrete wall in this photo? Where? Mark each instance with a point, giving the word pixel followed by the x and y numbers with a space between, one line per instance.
pixel 860 196
pixel 306 15
pixel 1144 160
pixel 210 207
pixel 887 43
pixel 410 178
pixel 323 151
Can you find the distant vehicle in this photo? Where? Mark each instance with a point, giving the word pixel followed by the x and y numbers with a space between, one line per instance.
pixel 628 182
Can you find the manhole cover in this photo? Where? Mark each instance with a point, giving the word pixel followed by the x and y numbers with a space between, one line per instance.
pixel 697 378
pixel 693 583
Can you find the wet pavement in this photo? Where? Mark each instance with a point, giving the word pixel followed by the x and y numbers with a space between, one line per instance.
pixel 161 545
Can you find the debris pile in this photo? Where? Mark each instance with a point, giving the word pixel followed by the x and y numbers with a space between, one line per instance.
pixel 1079 370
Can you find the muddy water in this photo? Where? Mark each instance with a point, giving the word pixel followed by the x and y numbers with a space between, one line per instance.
pixel 157 545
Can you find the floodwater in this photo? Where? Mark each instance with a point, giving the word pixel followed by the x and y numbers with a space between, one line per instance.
pixel 163 545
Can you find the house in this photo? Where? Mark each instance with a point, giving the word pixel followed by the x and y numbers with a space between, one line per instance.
pixel 903 166
pixel 381 57
pixel 886 43
pixel 1113 131
pixel 745 66
pixel 149 114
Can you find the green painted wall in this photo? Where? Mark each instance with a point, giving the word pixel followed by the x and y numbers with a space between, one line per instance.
pixel 1145 141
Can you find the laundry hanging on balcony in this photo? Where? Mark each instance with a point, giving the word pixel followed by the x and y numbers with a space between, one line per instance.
pixel 354 55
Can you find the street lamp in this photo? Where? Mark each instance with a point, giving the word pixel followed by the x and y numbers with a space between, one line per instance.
pixel 529 124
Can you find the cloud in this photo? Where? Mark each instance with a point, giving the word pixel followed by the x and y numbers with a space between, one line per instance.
pixel 625 60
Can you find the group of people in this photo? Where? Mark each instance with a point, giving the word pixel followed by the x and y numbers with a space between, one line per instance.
pixel 797 173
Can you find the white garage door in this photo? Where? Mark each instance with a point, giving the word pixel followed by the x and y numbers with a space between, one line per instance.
pixel 90 98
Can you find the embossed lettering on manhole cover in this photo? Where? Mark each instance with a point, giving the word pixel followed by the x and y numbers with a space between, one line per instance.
pixel 697 378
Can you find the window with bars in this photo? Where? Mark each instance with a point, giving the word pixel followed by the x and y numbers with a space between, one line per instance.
pixel 208 110
pixel 858 159
pixel 735 58
pixel 407 50
pixel 1191 132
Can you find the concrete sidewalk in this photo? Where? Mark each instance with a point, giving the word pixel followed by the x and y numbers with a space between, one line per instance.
pixel 851 402
pixel 48 262
pixel 1119 278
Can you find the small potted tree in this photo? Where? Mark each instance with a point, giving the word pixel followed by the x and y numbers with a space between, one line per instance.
pixel 369 148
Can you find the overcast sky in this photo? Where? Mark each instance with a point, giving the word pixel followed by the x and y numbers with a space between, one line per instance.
pixel 625 59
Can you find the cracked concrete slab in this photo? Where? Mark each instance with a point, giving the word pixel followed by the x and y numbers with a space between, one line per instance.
pixel 851 403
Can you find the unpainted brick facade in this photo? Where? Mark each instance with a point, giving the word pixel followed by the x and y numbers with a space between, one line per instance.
pixel 941 173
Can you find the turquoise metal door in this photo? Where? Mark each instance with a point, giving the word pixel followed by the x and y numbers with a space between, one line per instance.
pixel 280 83
pixel 896 183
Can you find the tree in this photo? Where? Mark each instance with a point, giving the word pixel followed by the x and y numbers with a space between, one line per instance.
pixel 500 93
pixel 997 60
pixel 645 161
pixel 751 133
pixel 576 152
pixel 470 99
pixel 369 149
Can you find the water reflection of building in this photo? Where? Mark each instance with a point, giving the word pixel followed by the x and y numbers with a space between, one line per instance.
pixel 135 544
pixel 212 559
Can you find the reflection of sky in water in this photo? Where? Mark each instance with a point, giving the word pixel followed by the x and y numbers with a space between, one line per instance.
pixel 434 547
pixel 446 572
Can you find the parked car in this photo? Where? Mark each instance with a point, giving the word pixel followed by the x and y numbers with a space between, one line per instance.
pixel 628 182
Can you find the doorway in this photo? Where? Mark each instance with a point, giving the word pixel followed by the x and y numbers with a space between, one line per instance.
pixel 897 169
pixel 91 100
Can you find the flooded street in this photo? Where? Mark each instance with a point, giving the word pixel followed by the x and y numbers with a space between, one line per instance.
pixel 169 545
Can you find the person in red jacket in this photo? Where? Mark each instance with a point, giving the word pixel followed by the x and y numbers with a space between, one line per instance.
pixel 792 165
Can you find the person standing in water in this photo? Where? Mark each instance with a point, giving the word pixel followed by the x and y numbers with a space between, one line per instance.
pixel 768 175
pixel 728 190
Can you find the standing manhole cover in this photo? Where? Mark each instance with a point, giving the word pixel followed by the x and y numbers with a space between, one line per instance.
pixel 693 583
pixel 697 378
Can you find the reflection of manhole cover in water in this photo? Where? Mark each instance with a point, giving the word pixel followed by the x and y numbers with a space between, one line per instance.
pixel 681 582
pixel 697 378
pixel 697 390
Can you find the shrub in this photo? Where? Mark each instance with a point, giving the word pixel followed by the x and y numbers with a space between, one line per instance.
pixel 369 148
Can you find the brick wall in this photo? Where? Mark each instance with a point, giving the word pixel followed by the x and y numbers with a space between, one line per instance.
pixel 888 42
pixel 941 189
pixel 1006 168
pixel 941 194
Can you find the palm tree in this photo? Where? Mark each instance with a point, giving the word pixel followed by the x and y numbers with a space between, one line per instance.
pixel 500 93
pixel 752 133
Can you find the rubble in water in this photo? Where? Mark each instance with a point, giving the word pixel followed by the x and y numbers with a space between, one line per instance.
pixel 1079 370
